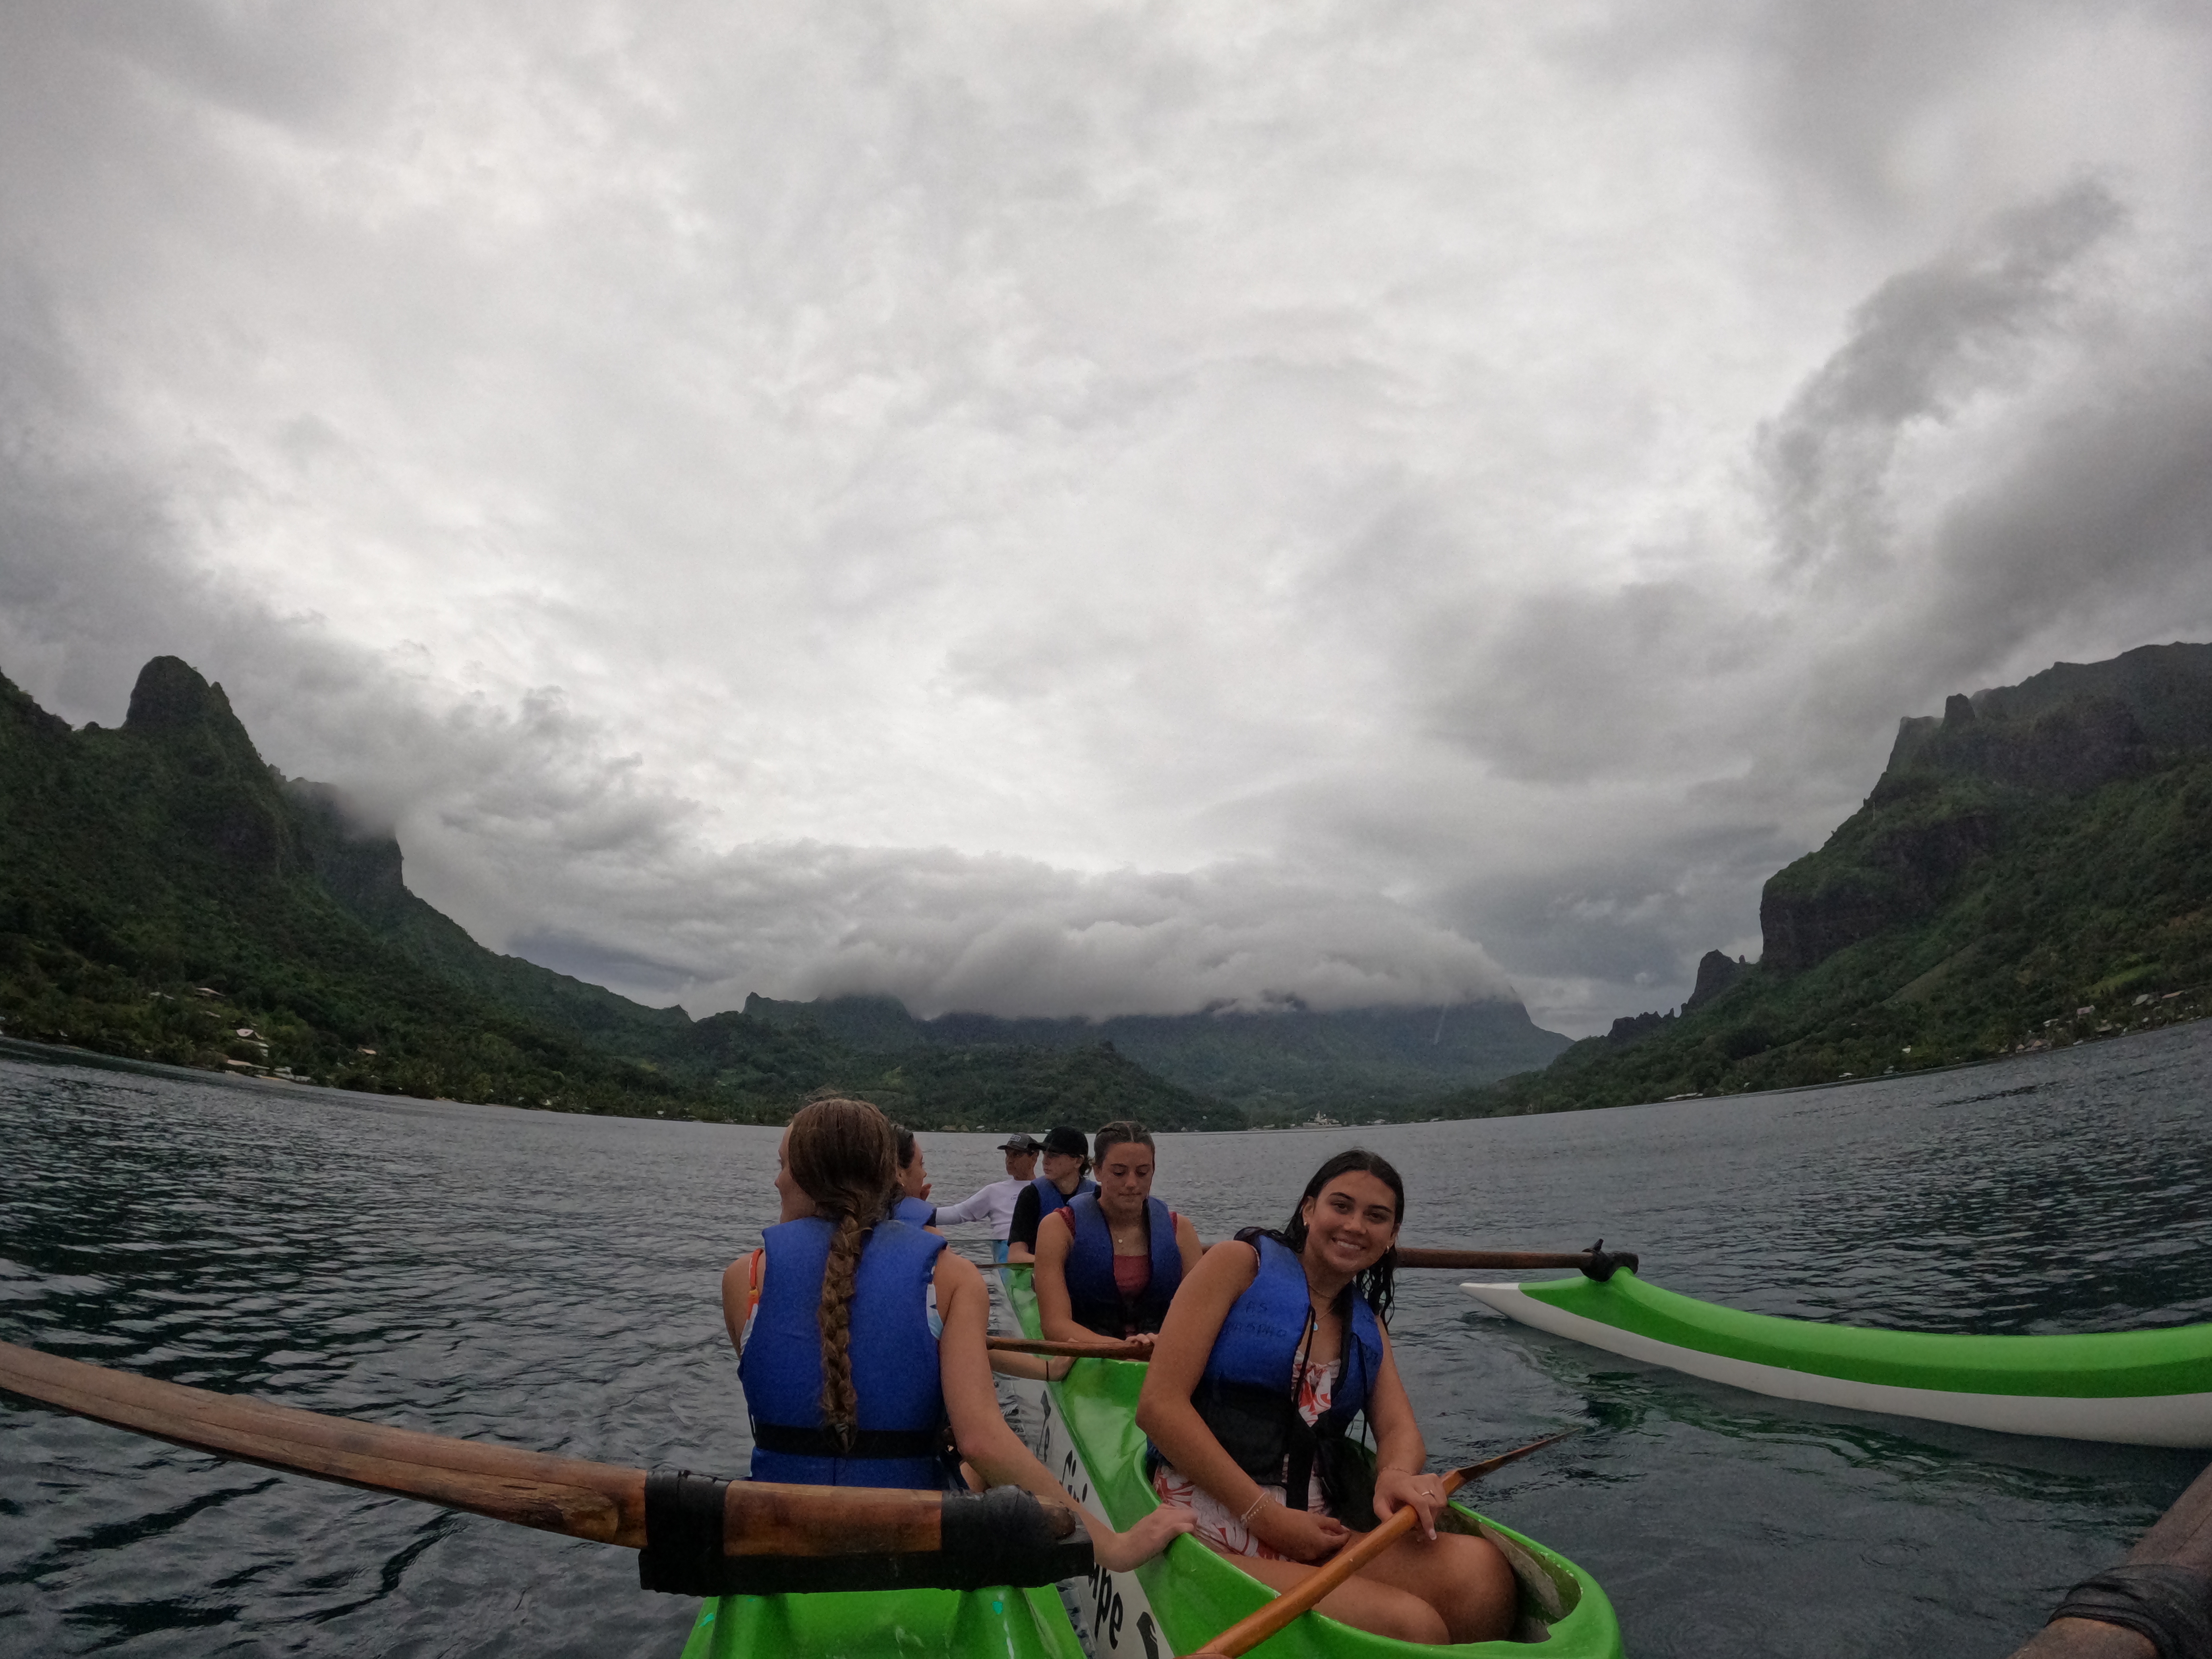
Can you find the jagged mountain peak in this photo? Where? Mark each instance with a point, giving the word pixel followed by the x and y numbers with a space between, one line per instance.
pixel 1957 786
pixel 172 694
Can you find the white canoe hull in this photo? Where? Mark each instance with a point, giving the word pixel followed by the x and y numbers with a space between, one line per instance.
pixel 2172 1420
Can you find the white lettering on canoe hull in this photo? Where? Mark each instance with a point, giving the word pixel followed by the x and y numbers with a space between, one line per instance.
pixel 2164 1419
pixel 1111 1613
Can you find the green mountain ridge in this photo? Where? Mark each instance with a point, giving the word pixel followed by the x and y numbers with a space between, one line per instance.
pixel 166 894
pixel 2033 869
pixel 158 896
pixel 1276 1063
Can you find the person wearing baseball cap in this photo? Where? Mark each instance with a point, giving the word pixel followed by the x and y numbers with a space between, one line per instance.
pixel 1067 1162
pixel 994 1205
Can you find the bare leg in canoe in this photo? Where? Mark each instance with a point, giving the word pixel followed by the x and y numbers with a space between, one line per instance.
pixel 1453 1589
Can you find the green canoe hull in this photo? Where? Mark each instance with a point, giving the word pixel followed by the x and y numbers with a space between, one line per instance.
pixel 991 1624
pixel 2134 1388
pixel 987 1624
pixel 1177 1602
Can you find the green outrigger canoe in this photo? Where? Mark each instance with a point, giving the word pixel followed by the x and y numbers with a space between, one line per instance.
pixel 2134 1388
pixel 1177 1602
pixel 1086 1434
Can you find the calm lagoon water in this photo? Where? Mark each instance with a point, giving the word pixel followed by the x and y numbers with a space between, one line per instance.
pixel 550 1282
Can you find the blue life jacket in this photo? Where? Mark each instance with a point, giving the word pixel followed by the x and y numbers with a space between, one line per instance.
pixel 900 1439
pixel 915 1212
pixel 1093 1298
pixel 1050 1198
pixel 1248 1394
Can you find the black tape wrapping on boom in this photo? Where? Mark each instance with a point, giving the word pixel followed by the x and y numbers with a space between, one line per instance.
pixel 987 1538
pixel 2169 1606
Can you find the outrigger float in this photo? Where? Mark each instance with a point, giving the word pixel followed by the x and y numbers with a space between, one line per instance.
pixel 2132 1388
pixel 1182 1601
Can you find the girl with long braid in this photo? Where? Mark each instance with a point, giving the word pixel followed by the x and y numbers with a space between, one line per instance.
pixel 860 1338
pixel 1269 1350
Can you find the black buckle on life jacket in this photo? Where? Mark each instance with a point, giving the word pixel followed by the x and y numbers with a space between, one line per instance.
pixel 796 1442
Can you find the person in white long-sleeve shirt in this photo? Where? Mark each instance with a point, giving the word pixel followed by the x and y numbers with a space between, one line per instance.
pixel 994 1203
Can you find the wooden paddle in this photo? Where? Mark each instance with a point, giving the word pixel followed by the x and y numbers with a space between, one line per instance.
pixel 1135 1351
pixel 1248 1633
pixel 791 1537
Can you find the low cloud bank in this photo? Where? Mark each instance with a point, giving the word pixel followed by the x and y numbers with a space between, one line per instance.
pixel 944 933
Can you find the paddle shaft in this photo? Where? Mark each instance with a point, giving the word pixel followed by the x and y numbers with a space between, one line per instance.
pixel 603 1502
pixel 1248 1633
pixel 1074 1350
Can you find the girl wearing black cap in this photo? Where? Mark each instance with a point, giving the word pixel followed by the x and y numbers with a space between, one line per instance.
pixel 1067 1162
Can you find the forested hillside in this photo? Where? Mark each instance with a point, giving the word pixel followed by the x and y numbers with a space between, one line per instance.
pixel 2033 869
pixel 166 894
pixel 1276 1063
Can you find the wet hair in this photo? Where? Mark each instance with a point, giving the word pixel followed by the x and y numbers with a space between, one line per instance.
pixel 1121 1131
pixel 843 1155
pixel 904 1137
pixel 1378 1283
pixel 1057 1141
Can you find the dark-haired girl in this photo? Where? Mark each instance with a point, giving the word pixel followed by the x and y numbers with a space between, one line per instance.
pixel 860 1338
pixel 1108 1263
pixel 1062 1177
pixel 1272 1348
pixel 913 1206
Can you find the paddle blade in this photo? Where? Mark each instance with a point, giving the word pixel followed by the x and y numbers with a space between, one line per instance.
pixel 1460 1477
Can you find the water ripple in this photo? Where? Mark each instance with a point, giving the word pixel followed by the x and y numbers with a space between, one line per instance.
pixel 550 1282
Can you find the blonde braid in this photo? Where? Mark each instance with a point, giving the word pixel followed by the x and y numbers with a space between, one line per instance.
pixel 840 1405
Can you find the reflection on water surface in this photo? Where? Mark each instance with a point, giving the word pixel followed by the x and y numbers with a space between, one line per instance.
pixel 550 1282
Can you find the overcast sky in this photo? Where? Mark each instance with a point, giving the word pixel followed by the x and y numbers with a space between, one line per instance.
pixel 1085 508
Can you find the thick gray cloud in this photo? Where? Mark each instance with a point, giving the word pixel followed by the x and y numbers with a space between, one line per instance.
pixel 945 931
pixel 1928 340
pixel 1077 510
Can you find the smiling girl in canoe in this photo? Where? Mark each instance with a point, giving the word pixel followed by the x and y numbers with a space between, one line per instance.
pixel 860 1339
pixel 1108 1263
pixel 1273 1346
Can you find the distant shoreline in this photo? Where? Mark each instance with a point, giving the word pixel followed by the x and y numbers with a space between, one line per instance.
pixel 63 1053
pixel 69 1054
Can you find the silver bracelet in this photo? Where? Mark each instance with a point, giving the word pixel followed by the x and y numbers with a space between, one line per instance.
pixel 1251 1509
